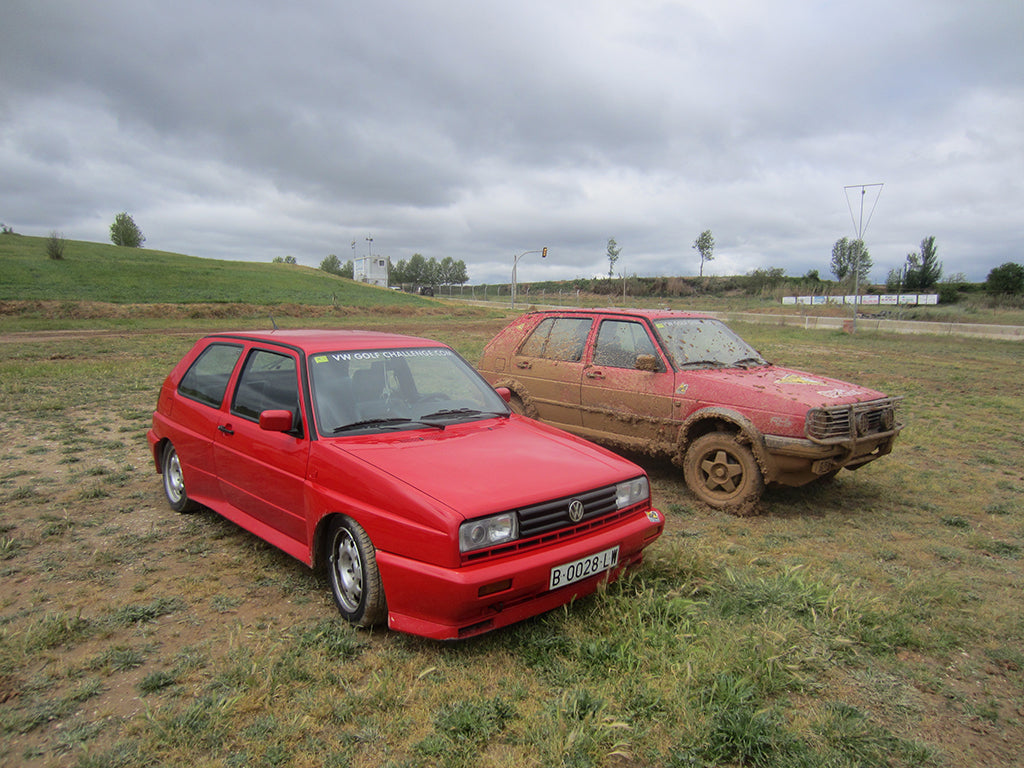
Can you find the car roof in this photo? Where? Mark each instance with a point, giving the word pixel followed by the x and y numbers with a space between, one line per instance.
pixel 328 340
pixel 650 314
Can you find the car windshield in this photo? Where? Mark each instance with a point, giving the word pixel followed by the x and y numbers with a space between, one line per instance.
pixel 383 390
pixel 694 342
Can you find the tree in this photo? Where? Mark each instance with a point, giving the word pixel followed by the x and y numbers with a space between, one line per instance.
pixel 124 231
pixel 1007 279
pixel 850 260
pixel 415 270
pixel 446 271
pixel 923 268
pixel 332 265
pixel 284 260
pixel 613 256
pixel 349 270
pixel 459 274
pixel 433 272
pixel 705 246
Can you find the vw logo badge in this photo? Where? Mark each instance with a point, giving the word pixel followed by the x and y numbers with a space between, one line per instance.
pixel 576 510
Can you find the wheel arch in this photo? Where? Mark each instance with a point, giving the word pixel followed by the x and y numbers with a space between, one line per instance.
pixel 318 542
pixel 519 390
pixel 158 448
pixel 716 419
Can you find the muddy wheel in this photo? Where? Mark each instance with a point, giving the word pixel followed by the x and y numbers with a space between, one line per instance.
pixel 174 481
pixel 522 407
pixel 353 573
pixel 723 473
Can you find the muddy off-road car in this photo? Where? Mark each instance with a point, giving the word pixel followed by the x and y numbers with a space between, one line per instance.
pixel 685 385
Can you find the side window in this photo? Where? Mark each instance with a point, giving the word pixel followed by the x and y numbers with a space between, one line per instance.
pixel 207 378
pixel 267 382
pixel 619 343
pixel 558 338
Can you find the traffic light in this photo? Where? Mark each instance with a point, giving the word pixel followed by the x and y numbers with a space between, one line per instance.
pixel 544 252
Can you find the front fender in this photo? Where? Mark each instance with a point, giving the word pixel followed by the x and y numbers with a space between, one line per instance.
pixel 710 419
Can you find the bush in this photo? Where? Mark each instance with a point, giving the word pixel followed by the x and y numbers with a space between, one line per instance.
pixel 1007 279
pixel 55 246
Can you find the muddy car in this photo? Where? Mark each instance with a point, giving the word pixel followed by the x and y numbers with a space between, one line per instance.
pixel 686 386
pixel 387 461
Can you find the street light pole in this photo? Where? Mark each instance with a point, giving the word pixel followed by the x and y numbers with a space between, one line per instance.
pixel 515 262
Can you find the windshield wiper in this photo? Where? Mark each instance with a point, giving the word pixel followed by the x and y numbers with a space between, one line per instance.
pixel 461 412
pixel 750 362
pixel 704 364
pixel 384 422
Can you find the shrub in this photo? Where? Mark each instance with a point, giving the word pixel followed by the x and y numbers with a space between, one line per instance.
pixel 55 246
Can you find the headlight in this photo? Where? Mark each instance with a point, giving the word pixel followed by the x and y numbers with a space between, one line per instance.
pixel 488 531
pixel 632 492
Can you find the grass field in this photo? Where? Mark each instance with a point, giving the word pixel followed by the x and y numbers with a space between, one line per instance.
pixel 873 621
pixel 93 272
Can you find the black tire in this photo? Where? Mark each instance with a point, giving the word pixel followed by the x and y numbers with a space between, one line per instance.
pixel 352 571
pixel 723 473
pixel 174 481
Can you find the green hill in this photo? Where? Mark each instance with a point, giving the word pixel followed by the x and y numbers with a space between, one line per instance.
pixel 108 273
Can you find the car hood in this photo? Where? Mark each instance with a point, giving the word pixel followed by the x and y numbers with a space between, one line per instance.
pixel 770 387
pixel 491 466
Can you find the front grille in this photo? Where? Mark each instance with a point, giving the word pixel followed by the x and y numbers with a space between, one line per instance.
pixel 849 422
pixel 552 515
pixel 549 521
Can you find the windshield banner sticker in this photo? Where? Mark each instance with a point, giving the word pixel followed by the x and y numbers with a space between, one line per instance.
pixel 383 354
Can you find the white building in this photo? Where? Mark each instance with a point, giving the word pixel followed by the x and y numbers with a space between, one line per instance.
pixel 372 270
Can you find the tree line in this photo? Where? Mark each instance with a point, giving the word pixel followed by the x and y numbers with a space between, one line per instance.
pixel 417 270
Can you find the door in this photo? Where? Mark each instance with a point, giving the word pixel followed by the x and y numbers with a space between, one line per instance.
pixel 263 473
pixel 549 364
pixel 626 392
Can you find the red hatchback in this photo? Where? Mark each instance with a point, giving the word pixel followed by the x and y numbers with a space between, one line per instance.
pixel 686 386
pixel 390 462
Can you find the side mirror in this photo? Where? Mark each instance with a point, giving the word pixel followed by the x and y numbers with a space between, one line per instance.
pixel 504 393
pixel 277 421
pixel 647 363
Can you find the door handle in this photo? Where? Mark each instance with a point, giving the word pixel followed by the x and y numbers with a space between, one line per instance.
pixel 595 374
pixel 226 429
pixel 524 364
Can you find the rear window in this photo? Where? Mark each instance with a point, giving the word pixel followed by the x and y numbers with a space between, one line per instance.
pixel 207 378
pixel 558 338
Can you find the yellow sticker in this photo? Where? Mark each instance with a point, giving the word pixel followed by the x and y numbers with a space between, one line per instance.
pixel 793 378
pixel 320 359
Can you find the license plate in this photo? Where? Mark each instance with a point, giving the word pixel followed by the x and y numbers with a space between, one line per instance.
pixel 577 570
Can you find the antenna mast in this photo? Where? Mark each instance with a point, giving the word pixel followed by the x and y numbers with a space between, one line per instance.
pixel 860 226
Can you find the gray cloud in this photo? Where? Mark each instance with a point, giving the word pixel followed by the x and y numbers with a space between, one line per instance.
pixel 481 129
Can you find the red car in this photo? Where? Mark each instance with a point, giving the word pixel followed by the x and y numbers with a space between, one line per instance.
pixel 686 386
pixel 390 462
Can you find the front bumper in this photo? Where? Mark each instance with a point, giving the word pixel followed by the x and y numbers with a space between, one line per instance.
pixel 453 603
pixel 796 461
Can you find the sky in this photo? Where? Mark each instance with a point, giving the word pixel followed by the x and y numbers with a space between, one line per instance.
pixel 483 131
